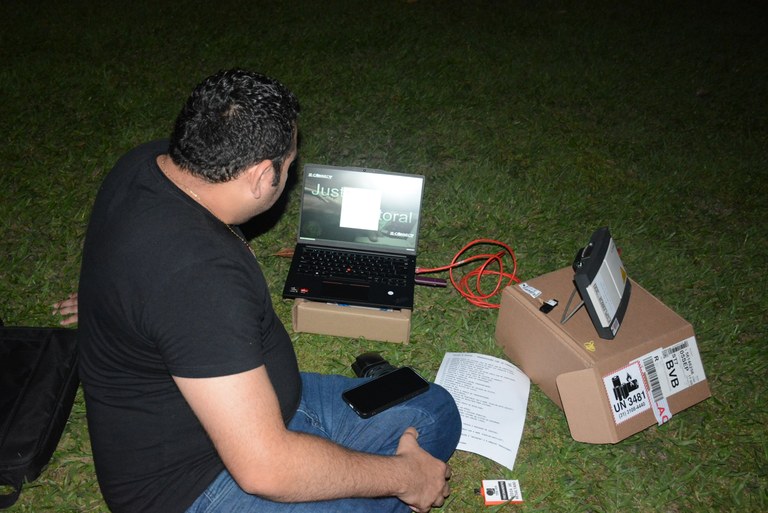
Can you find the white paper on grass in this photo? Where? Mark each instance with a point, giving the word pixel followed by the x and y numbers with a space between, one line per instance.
pixel 492 397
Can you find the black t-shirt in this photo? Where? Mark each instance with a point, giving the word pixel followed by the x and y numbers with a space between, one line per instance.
pixel 166 289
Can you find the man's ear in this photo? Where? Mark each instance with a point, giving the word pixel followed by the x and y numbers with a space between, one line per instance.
pixel 260 177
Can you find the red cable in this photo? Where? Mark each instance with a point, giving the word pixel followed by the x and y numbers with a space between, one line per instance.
pixel 476 296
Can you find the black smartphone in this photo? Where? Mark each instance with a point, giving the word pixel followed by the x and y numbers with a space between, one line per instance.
pixel 385 391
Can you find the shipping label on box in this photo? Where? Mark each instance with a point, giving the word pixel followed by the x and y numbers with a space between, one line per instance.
pixel 664 372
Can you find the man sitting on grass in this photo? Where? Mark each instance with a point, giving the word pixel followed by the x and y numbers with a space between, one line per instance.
pixel 193 394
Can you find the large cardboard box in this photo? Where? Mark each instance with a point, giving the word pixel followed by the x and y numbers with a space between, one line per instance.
pixel 608 389
pixel 351 321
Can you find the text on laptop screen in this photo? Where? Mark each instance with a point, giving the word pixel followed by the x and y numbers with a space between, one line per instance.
pixel 356 207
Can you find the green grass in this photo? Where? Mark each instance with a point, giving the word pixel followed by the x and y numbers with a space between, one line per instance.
pixel 534 122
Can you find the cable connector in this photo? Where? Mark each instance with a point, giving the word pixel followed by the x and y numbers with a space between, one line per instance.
pixel 429 282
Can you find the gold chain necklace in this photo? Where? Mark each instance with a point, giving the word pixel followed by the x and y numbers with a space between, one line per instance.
pixel 197 198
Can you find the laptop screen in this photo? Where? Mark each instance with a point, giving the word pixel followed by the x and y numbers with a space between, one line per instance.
pixel 360 208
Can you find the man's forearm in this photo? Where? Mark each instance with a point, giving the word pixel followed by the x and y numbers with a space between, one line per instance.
pixel 308 468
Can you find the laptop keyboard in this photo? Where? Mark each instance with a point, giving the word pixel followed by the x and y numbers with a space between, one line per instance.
pixel 329 263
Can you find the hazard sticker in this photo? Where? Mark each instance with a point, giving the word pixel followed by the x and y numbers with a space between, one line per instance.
pixel 626 392
pixel 502 491
pixel 653 383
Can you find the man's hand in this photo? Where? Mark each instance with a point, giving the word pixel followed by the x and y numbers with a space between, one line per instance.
pixel 67 308
pixel 428 476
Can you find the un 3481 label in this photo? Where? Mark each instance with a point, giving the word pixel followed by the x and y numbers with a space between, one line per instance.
pixel 647 382
pixel 626 392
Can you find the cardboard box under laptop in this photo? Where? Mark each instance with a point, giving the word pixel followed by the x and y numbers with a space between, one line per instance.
pixel 608 389
pixel 388 325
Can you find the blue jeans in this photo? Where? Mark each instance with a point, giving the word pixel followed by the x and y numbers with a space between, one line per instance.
pixel 323 413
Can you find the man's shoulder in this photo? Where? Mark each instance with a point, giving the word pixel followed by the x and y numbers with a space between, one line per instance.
pixel 144 151
pixel 128 169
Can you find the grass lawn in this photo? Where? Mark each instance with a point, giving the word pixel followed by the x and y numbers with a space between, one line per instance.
pixel 534 123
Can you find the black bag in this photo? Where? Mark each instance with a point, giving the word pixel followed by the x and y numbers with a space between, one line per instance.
pixel 38 383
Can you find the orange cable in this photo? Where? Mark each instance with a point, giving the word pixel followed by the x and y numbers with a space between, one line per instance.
pixel 463 285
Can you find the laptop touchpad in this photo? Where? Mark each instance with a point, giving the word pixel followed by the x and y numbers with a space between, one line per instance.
pixel 345 290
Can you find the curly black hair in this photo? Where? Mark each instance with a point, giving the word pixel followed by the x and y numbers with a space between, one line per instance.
pixel 231 121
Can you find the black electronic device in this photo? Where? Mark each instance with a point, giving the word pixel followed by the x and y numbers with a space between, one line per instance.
pixel 602 283
pixel 371 365
pixel 385 391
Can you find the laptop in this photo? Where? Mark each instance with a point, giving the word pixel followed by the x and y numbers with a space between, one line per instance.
pixel 358 233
